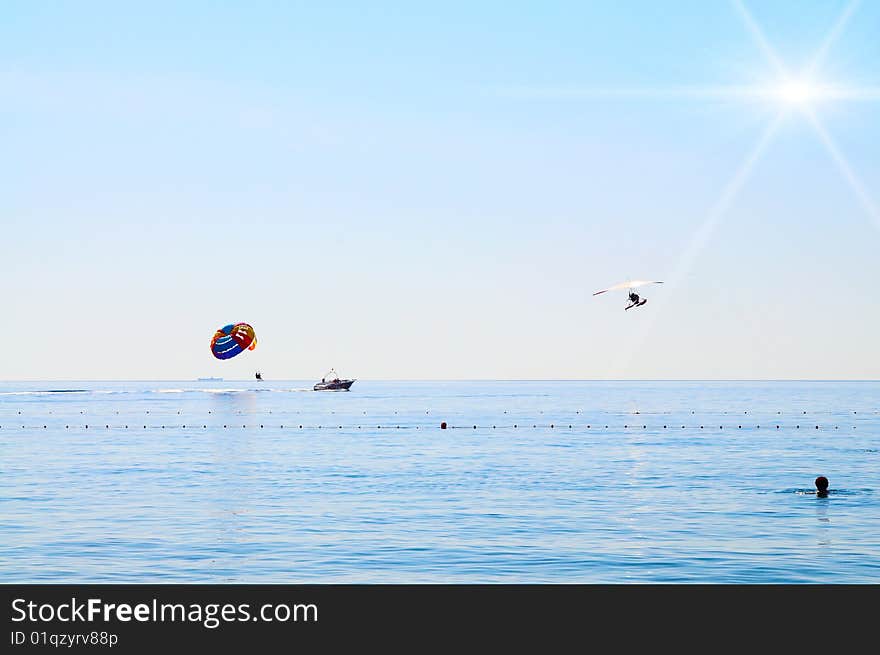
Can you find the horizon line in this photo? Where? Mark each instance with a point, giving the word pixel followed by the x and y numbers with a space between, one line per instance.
pixel 221 379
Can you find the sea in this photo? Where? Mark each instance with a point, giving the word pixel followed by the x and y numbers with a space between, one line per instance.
pixel 530 481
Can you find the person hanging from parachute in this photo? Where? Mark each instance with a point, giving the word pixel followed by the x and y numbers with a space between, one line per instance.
pixel 634 299
pixel 231 340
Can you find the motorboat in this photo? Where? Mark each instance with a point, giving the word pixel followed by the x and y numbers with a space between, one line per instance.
pixel 332 382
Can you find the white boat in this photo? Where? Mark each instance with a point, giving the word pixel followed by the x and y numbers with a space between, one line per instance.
pixel 332 382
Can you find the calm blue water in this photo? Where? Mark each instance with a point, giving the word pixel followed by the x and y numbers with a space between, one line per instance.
pixel 213 489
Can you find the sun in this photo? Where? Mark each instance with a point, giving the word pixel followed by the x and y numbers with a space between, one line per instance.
pixel 797 92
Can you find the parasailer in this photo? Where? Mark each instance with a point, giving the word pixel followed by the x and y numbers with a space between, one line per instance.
pixel 233 339
pixel 634 299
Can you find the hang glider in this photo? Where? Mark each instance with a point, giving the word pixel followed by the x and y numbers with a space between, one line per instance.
pixel 631 284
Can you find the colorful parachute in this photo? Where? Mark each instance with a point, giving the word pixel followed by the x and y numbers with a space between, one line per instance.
pixel 230 340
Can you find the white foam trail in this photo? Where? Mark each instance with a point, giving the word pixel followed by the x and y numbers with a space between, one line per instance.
pixel 54 392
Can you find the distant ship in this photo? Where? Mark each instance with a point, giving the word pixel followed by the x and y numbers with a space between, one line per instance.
pixel 209 379
pixel 258 375
pixel 332 382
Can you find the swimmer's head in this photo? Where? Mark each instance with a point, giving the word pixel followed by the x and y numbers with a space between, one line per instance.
pixel 822 483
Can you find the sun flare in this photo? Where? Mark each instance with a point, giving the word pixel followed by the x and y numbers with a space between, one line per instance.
pixel 798 92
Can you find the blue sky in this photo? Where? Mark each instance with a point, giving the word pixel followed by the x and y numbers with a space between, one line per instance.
pixel 435 192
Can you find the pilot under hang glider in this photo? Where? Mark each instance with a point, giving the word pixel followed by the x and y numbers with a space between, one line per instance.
pixel 631 286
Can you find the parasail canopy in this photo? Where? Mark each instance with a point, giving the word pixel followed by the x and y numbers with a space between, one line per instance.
pixel 631 284
pixel 232 339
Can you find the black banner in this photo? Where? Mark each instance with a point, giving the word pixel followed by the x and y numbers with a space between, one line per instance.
pixel 244 618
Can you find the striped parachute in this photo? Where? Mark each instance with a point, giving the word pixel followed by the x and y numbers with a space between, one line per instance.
pixel 233 339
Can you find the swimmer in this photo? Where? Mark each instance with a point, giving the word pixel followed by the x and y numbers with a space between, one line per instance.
pixel 822 487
